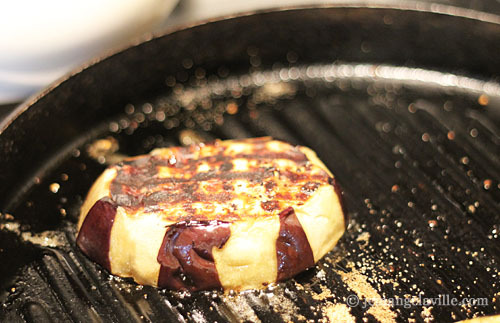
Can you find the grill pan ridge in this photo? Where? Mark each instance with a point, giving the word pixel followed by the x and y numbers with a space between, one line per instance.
pixel 412 138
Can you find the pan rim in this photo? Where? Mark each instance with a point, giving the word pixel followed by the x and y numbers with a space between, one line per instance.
pixel 407 5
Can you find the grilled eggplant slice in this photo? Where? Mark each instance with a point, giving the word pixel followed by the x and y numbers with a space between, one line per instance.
pixel 236 214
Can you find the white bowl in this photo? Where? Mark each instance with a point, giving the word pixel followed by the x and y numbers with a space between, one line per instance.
pixel 42 40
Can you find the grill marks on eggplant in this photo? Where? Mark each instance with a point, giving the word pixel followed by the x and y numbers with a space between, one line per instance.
pixel 208 174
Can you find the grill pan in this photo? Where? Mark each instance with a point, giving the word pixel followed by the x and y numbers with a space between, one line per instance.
pixel 401 104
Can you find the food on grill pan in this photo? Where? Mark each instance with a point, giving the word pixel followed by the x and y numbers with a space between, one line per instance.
pixel 236 214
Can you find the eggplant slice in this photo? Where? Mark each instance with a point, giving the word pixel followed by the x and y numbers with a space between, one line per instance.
pixel 400 104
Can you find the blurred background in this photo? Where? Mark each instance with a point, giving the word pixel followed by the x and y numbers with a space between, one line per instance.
pixel 41 41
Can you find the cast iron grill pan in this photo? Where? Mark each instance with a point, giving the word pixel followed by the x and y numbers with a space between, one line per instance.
pixel 415 149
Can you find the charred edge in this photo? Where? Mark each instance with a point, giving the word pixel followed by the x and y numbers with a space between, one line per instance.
pixel 196 223
pixel 181 158
pixel 340 195
pixel 95 233
pixel 294 254
pixel 186 256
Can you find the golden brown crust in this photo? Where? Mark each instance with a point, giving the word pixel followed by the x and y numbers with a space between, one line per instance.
pixel 226 180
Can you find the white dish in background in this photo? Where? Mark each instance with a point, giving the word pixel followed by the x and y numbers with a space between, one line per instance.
pixel 42 40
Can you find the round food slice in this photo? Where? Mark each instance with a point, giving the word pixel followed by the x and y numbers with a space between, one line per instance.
pixel 236 214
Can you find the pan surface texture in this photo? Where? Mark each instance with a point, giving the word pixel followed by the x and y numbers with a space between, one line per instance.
pixel 403 105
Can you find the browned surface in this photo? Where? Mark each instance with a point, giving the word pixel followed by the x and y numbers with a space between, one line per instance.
pixel 218 190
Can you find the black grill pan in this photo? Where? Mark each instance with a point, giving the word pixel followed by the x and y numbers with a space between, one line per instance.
pixel 403 105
